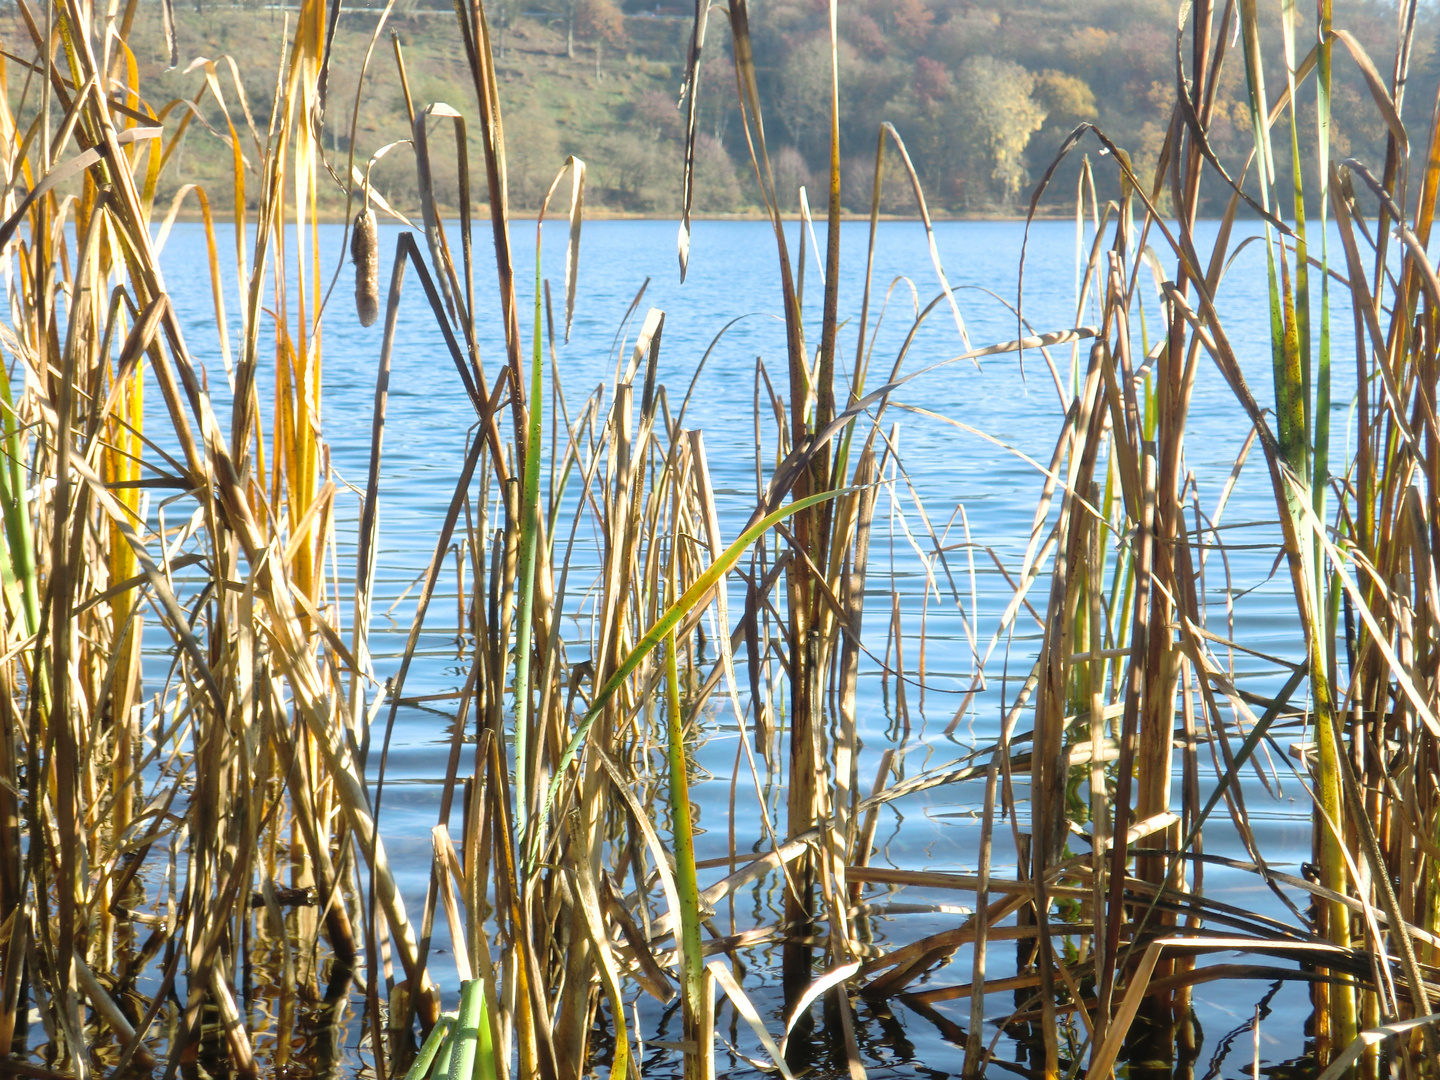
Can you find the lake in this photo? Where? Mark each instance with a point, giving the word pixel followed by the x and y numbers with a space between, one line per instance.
pixel 961 480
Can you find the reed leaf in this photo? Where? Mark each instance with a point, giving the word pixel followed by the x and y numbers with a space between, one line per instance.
pixel 692 955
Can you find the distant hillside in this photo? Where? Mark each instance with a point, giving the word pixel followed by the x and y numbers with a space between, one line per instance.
pixel 983 93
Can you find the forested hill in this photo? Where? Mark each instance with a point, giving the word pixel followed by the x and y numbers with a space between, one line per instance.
pixel 983 93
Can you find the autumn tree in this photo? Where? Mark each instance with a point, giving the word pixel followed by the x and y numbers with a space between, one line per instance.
pixel 569 11
pixel 996 99
pixel 912 21
pixel 1065 98
pixel 600 21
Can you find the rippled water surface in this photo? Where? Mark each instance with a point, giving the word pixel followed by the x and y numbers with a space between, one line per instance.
pixel 962 480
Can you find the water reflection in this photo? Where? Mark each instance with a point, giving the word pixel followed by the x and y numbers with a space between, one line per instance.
pixel 930 607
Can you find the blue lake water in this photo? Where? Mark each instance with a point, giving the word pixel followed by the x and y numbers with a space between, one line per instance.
pixel 962 480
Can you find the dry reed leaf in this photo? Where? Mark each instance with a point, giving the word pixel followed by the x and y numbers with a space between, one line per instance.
pixel 1103 1057
pixel 594 923
pixel 689 96
pixel 110 1012
pixel 652 841
pixel 450 873
pixel 1338 563
pixel 577 217
pixel 834 977
pixel 746 1009
pixel 373 195
pixel 1341 1064
pixel 1376 86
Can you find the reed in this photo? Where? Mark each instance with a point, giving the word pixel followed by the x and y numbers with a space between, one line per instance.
pixel 574 887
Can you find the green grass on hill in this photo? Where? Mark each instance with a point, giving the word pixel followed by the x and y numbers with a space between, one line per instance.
pixel 984 95
pixel 616 109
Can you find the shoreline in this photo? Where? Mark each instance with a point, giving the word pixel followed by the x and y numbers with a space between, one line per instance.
pixel 481 214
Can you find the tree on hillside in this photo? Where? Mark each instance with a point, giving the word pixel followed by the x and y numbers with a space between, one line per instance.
pixel 791 174
pixel 1066 98
pixel 717 111
pixel 997 103
pixel 804 96
pixel 717 183
pixel 569 11
pixel 805 100
pixel 600 20
pixel 501 15
pixel 601 23
pixel 656 112
pixel 912 21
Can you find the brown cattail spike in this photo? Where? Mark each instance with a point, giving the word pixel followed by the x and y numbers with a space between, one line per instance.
pixel 365 252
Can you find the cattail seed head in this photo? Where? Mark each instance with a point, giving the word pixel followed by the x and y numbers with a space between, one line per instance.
pixel 365 253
